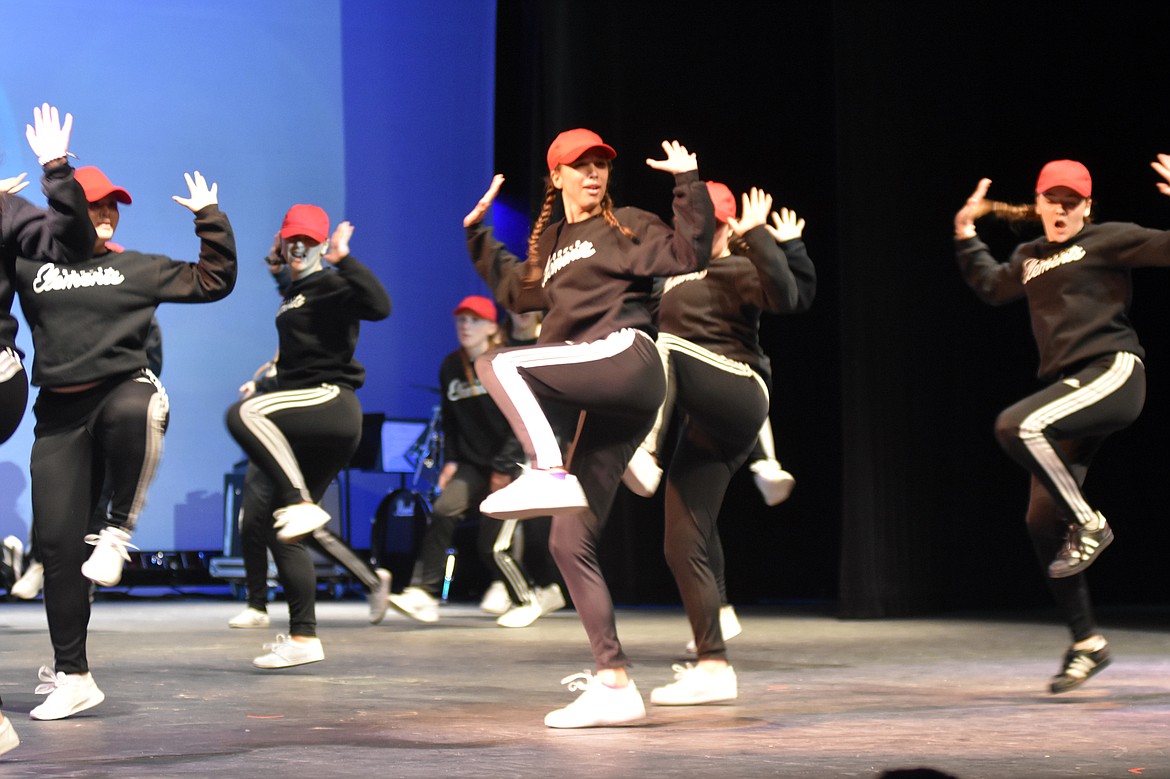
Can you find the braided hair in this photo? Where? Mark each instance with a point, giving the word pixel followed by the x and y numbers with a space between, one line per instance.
pixel 534 270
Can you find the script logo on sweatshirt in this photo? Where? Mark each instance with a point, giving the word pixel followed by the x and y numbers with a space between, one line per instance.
pixel 1034 267
pixel 674 281
pixel 462 390
pixel 560 259
pixel 50 278
pixel 288 305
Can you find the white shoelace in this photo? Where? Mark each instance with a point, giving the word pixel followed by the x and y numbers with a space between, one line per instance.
pixel 51 681
pixel 112 541
pixel 578 682
pixel 281 642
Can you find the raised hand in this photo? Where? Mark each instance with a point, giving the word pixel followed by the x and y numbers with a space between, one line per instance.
pixel 756 205
pixel 202 195
pixel 11 186
pixel 1162 165
pixel 678 159
pixel 339 243
pixel 275 257
pixel 786 226
pixel 475 215
pixel 971 210
pixel 47 136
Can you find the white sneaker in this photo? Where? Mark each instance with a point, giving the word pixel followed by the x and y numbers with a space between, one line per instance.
pixel 249 618
pixel 286 653
pixel 694 685
pixel 104 566
pixel 496 599
pixel 728 625
pixel 551 598
pixel 774 483
pixel 68 694
pixel 30 583
pixel 8 739
pixel 597 704
pixel 643 474
pixel 535 494
pixel 416 603
pixel 544 600
pixel 379 596
pixel 298 520
pixel 520 616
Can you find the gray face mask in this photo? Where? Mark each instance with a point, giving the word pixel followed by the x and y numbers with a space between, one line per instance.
pixel 311 258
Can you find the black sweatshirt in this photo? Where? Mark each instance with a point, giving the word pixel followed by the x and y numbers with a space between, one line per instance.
pixel 90 320
pixel 596 280
pixel 64 233
pixel 719 308
pixel 318 324
pixel 1078 291
pixel 474 429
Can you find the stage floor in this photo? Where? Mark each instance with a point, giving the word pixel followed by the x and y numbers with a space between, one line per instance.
pixel 818 697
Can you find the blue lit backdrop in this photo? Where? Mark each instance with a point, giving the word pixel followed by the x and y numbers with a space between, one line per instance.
pixel 381 113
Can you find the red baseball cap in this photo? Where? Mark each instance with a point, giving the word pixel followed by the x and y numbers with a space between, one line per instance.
pixel 1065 173
pixel 571 145
pixel 723 201
pixel 482 307
pixel 307 220
pixel 97 186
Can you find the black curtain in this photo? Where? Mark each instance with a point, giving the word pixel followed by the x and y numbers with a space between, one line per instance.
pixel 874 121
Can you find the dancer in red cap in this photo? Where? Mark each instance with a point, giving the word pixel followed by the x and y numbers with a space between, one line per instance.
pixel 101 413
pixel 593 272
pixel 258 532
pixel 480 455
pixel 1077 281
pixel 303 433
pixel 61 234
pixel 718 378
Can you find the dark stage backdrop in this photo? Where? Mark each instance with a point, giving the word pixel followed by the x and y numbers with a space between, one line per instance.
pixel 874 121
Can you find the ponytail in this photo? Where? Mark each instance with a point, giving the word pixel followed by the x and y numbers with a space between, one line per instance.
pixel 1008 212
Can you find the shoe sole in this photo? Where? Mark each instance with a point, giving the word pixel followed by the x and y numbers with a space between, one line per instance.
pixel 102 582
pixel 780 493
pixel 519 624
pixel 531 513
pixel 698 702
pixel 249 626
pixel 287 665
pixel 637 486
pixel 597 724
